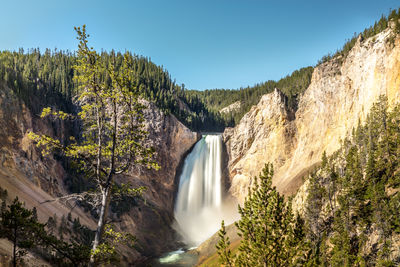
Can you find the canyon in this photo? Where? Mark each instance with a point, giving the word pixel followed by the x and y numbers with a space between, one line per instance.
pixel 340 96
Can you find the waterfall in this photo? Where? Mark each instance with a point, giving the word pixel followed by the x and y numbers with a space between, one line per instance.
pixel 199 204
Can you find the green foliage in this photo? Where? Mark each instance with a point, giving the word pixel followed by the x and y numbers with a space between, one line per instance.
pixel 106 252
pixel 39 79
pixel 47 80
pixel 223 250
pixel 354 195
pixel 22 228
pixel 271 235
pixel 112 137
pixel 19 226
pixel 111 114
pixel 292 86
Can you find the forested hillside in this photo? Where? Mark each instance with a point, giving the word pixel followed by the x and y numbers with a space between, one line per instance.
pixel 352 209
pixel 49 76
pixel 292 86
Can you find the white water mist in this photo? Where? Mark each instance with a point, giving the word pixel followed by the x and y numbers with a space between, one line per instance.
pixel 199 207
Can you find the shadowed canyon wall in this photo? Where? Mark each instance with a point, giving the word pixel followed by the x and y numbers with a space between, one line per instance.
pixel 25 173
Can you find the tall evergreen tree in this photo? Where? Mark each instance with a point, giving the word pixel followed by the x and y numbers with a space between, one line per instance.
pixel 271 236
pixel 20 226
pixel 112 118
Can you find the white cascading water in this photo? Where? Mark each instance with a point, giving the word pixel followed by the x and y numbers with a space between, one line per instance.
pixel 199 204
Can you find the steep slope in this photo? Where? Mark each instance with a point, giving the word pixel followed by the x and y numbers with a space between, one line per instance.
pixel 351 201
pixel 340 95
pixel 25 173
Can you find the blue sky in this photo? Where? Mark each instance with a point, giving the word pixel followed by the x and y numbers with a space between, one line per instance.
pixel 203 44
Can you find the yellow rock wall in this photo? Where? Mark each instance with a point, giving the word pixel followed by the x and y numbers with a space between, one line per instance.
pixel 339 96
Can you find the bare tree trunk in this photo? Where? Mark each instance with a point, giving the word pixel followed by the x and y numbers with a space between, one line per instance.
pixel 105 201
pixel 106 190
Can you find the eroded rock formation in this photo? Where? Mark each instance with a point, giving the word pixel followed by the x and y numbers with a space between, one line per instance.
pixel 340 96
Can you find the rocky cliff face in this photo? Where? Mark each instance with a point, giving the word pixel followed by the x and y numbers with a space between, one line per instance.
pixel 340 96
pixel 23 170
pixel 232 107
pixel 34 179
pixel 261 133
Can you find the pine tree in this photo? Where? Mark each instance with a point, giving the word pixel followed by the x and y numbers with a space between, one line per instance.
pixel 112 119
pixel 20 226
pixel 223 250
pixel 271 236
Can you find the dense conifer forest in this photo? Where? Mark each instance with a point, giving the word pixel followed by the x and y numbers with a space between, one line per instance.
pixel 292 87
pixel 49 77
